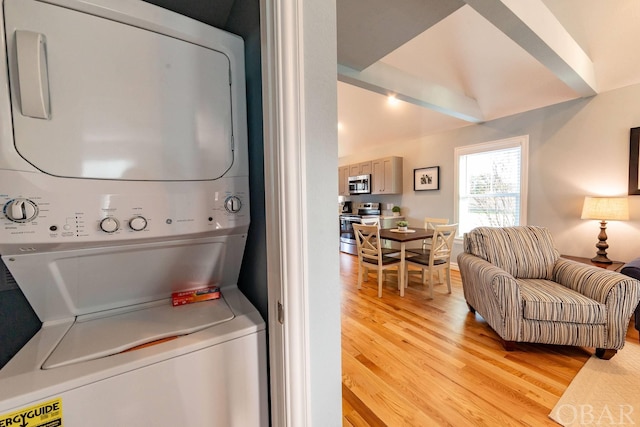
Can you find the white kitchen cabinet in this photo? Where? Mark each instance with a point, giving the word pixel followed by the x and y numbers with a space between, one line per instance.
pixel 362 168
pixel 386 175
pixel 343 180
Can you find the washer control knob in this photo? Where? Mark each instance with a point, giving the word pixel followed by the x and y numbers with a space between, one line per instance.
pixel 233 204
pixel 21 210
pixel 109 225
pixel 138 223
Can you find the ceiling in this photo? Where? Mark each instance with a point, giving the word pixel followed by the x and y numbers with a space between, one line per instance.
pixel 453 63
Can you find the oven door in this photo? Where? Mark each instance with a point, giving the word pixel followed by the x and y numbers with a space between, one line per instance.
pixel 347 236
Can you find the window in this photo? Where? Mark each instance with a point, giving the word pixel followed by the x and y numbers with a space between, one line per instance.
pixel 492 184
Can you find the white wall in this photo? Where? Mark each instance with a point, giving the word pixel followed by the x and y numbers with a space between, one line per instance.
pixel 576 148
pixel 321 180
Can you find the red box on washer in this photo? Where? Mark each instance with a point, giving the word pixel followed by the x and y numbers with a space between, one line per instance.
pixel 195 295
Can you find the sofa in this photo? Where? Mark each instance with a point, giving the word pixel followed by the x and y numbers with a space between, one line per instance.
pixel 632 269
pixel 516 280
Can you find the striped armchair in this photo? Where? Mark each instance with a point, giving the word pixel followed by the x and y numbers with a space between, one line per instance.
pixel 515 279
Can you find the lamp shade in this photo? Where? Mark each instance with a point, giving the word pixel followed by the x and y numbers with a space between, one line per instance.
pixel 606 208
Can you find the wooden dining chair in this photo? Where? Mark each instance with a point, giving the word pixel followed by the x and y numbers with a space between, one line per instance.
pixel 429 224
pixel 438 257
pixel 370 221
pixel 370 255
pixel 376 221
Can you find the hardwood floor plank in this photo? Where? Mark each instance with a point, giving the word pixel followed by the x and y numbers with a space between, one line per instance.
pixel 358 414
pixel 442 403
pixel 417 361
pixel 462 367
pixel 390 407
pixel 383 361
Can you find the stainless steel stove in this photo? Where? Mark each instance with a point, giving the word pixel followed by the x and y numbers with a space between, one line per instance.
pixel 347 236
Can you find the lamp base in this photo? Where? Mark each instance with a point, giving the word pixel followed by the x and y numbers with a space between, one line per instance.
pixel 602 259
pixel 601 255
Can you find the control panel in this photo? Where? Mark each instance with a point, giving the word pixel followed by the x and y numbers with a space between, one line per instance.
pixel 32 220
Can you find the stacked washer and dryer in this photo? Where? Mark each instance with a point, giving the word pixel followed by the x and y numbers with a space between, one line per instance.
pixel 123 179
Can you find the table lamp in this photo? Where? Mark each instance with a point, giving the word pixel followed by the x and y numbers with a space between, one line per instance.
pixel 604 209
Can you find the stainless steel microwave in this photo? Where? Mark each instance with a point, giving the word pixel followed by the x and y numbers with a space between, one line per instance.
pixel 360 184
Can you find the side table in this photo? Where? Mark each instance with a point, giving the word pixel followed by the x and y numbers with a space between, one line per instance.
pixel 615 265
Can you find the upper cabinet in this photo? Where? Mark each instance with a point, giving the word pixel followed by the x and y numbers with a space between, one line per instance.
pixel 343 180
pixel 387 176
pixel 362 168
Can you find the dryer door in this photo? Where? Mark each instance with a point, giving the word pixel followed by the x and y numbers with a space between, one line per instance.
pixel 96 98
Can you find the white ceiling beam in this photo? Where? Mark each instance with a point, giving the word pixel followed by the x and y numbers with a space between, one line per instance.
pixel 387 80
pixel 532 26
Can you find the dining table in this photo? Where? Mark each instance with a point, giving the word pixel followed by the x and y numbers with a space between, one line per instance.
pixel 410 235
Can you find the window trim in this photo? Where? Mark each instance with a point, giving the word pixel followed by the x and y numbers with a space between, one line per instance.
pixel 517 141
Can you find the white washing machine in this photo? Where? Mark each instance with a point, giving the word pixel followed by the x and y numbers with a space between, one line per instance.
pixel 124 179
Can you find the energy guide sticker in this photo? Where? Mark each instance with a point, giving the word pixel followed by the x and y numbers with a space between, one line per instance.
pixel 47 414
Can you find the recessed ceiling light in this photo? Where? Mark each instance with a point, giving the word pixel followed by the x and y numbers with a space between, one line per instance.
pixel 392 100
pixel 339 126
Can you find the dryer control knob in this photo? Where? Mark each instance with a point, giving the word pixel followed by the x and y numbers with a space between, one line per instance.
pixel 232 204
pixel 138 223
pixel 109 225
pixel 21 210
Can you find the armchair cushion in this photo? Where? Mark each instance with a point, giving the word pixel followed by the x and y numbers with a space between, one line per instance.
pixel 525 252
pixel 548 301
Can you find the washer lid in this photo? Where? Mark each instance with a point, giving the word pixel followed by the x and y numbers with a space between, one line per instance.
pixel 92 337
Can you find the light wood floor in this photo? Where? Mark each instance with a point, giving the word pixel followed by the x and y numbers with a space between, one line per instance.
pixel 417 362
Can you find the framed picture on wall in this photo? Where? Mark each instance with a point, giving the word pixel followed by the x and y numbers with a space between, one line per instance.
pixel 426 178
pixel 634 157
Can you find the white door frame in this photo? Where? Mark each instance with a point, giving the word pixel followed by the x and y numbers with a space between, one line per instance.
pixel 300 142
pixel 288 343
